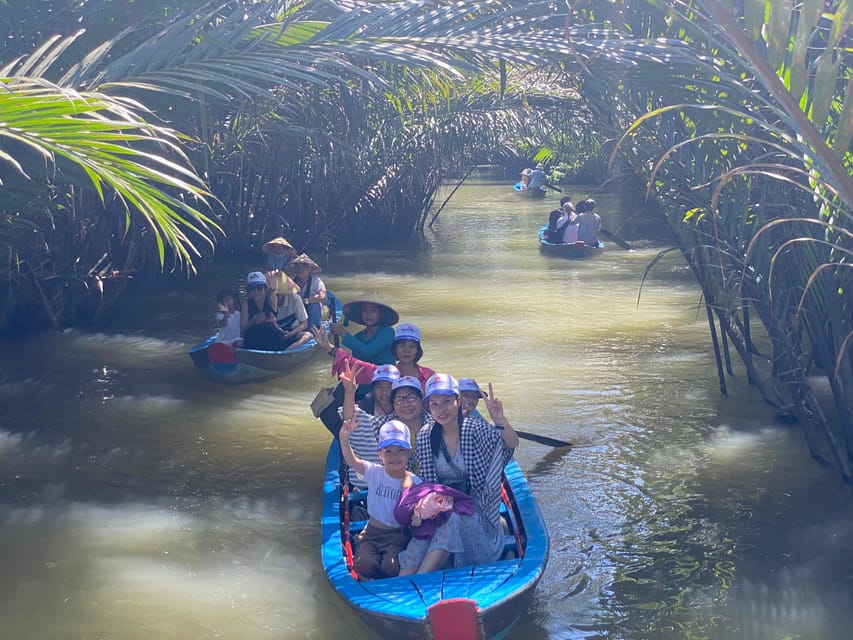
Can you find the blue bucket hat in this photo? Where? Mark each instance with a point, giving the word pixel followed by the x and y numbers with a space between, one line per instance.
pixel 407 331
pixel 386 373
pixel 469 384
pixel 394 434
pixel 441 384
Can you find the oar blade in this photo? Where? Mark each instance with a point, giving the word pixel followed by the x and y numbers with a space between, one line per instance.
pixel 614 238
pixel 550 442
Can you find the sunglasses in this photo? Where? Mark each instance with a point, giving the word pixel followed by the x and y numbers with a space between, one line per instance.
pixel 256 287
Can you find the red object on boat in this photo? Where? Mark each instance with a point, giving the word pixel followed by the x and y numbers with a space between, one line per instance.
pixel 221 353
pixel 454 619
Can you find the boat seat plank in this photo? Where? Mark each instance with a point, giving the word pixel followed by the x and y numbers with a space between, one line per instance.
pixel 493 581
pixel 396 595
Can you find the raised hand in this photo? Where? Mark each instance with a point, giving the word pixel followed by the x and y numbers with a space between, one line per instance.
pixel 349 373
pixel 272 281
pixel 495 407
pixel 347 427
pixel 321 338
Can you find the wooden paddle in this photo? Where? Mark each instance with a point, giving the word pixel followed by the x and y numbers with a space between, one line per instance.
pixel 614 238
pixel 554 188
pixel 535 437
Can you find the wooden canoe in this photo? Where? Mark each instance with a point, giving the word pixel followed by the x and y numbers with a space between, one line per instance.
pixel 220 362
pixel 538 192
pixel 568 250
pixel 475 602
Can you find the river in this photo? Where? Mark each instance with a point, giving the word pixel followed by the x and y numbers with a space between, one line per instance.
pixel 139 501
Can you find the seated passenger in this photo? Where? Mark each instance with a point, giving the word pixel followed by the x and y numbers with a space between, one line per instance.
pixel 375 404
pixel 228 318
pixel 304 272
pixel 470 394
pixel 378 401
pixel 291 316
pixel 564 228
pixel 468 454
pixel 373 343
pixel 589 223
pixel 384 537
pixel 406 348
pixel 258 316
pixel 537 177
pixel 279 252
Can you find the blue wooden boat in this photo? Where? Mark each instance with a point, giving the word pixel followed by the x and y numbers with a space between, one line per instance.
pixel 220 362
pixel 538 192
pixel 567 250
pixel 476 602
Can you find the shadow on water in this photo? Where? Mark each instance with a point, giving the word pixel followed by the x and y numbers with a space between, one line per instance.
pixel 138 500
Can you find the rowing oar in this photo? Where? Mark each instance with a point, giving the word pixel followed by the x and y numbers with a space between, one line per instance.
pixel 535 437
pixel 612 236
pixel 554 188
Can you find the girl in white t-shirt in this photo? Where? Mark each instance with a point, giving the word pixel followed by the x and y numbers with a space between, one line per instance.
pixel 383 538
pixel 228 318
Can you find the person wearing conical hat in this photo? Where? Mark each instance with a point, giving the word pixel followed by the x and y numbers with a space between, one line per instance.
pixel 373 343
pixel 304 272
pixel 406 348
pixel 279 252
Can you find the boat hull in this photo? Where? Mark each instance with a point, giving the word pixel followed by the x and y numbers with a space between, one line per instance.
pixel 497 592
pixel 242 366
pixel 249 365
pixel 537 192
pixel 569 250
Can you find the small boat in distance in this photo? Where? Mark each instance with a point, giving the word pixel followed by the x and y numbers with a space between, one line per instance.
pixel 473 602
pixel 568 249
pixel 220 362
pixel 536 192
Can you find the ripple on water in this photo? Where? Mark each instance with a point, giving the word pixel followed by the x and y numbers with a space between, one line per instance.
pixel 139 347
pixel 146 403
pixel 9 441
pixel 163 570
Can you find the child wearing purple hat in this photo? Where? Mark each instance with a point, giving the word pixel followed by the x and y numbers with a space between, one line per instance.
pixel 384 537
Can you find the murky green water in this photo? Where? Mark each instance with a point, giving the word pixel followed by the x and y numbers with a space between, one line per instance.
pixel 138 500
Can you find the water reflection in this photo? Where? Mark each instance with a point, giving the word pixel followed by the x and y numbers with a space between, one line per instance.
pixel 138 500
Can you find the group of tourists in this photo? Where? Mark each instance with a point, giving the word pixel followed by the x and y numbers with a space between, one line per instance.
pixel 570 224
pixel 430 464
pixel 427 461
pixel 282 303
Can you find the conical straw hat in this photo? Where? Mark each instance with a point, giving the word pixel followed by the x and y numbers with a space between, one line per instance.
pixel 267 247
pixel 302 258
pixel 387 315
